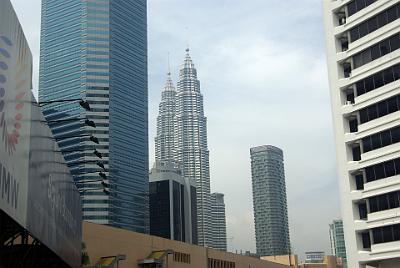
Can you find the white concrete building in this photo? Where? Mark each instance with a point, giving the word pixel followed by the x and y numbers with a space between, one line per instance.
pixel 363 41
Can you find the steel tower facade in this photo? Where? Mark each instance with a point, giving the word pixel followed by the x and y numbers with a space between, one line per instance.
pixel 191 143
pixel 97 50
pixel 165 139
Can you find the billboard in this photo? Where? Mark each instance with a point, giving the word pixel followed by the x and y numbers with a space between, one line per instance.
pixel 36 188
pixel 15 99
pixel 54 212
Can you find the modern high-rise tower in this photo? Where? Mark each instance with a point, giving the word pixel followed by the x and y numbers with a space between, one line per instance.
pixel 336 237
pixel 191 143
pixel 96 50
pixel 363 55
pixel 269 201
pixel 218 222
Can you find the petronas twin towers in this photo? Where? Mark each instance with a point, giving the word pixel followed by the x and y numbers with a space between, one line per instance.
pixel 182 138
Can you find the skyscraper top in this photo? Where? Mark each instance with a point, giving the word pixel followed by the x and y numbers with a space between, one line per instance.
pixel 264 148
pixel 169 85
pixel 188 63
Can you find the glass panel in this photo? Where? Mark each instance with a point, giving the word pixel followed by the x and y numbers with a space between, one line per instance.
pixel 363 116
pixel 386 139
pixel 372 112
pixel 382 108
pixel 379 171
pixel 395 135
pixel 383 202
pixel 370 173
pixel 375 52
pixel 396 71
pixel 396 232
pixel 395 42
pixel 367 144
pixel 387 234
pixel 351 8
pixel 392 105
pixel 372 24
pixel 392 13
pixel 354 34
pixel 382 19
pixel 373 204
pixel 384 47
pixel 377 235
pixel 378 80
pixel 369 84
pixel 376 141
pixel 388 76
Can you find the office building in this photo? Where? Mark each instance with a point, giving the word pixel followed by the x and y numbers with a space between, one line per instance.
pixel 191 143
pixel 173 212
pixel 269 201
pixel 96 50
pixel 218 222
pixel 336 237
pixel 362 44
pixel 315 257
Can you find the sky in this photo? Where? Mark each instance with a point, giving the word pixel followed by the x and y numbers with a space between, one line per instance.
pixel 263 76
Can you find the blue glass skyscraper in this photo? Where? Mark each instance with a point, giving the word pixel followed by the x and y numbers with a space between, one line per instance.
pixel 96 50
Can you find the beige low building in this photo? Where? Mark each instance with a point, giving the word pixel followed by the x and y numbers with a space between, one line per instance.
pixel 329 262
pixel 289 260
pixel 104 243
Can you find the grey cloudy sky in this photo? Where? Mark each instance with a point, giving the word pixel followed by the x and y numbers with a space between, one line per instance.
pixel 262 69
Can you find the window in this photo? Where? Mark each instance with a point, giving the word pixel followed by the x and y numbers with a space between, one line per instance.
pixel 366 240
pixel 382 170
pixel 380 139
pixel 372 112
pixel 367 144
pixel 181 257
pixel 386 139
pixel 395 135
pixel 356 153
pixel 382 18
pixel 353 124
pixel 392 14
pixel 393 199
pixel 394 42
pixel 375 52
pixel 379 171
pixel 373 23
pixel 360 182
pixel 382 108
pixel 382 202
pixel 351 8
pixel 387 233
pixel 376 141
pixel 388 76
pixel 389 169
pixel 377 235
pixel 362 208
pixel 373 204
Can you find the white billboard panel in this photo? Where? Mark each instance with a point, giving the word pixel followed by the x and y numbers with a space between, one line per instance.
pixel 15 99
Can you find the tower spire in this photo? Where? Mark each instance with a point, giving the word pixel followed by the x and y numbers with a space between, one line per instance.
pixel 169 66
